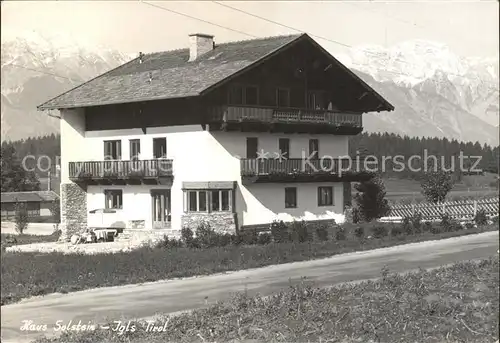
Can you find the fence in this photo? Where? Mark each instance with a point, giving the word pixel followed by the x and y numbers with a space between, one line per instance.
pixel 456 209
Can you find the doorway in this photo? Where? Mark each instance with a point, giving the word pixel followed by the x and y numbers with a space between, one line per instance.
pixel 160 204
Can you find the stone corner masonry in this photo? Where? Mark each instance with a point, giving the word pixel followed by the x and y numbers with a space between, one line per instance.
pixel 73 210
pixel 223 222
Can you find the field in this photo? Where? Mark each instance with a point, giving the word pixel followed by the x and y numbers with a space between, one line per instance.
pixel 458 303
pixel 30 274
pixel 478 186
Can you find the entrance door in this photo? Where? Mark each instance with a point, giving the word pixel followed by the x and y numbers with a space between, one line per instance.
pixel 161 208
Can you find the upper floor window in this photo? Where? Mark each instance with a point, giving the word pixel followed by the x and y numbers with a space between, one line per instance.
pixel 314 148
pixel 113 198
pixel 113 150
pixel 159 147
pixel 284 147
pixel 252 146
pixel 283 97
pixel 135 149
pixel 316 100
pixel 243 95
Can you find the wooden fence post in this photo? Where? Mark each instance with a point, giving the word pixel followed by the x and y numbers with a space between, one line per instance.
pixel 475 208
pixel 444 208
pixel 413 209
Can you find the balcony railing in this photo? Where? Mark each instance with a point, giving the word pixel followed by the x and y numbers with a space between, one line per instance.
pixel 141 169
pixel 255 167
pixel 237 113
pixel 301 170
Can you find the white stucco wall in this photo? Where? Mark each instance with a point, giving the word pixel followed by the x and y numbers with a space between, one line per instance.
pixel 73 141
pixel 265 202
pixel 198 156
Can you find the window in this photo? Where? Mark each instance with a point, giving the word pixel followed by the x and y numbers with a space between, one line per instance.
pixel 135 149
pixel 283 97
pixel 112 150
pixel 236 95
pixel 215 200
pixel 252 146
pixel 325 196
pixel 290 197
pixel 314 148
pixel 114 199
pixel 316 100
pixel 251 95
pixel 159 147
pixel 219 200
pixel 243 95
pixel 284 147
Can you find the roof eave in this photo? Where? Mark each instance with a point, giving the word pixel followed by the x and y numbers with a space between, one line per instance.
pixel 60 107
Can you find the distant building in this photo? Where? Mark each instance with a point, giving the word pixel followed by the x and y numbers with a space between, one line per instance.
pixel 39 203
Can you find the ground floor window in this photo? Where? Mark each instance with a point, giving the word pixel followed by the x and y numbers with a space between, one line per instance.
pixel 212 200
pixel 113 198
pixel 325 196
pixel 290 197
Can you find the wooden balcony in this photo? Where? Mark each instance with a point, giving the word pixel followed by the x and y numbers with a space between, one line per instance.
pixel 290 120
pixel 158 171
pixel 298 170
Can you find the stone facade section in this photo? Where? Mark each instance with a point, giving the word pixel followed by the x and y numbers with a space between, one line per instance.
pixel 73 210
pixel 220 222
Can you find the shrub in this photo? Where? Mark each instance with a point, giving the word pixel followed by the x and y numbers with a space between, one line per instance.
pixel 396 230
pixel 469 225
pixel 279 231
pixel 481 218
pixel 495 220
pixel 248 237
pixel 264 238
pixel 322 232
pixel 55 210
pixel 168 243
pixel 224 239
pixel 406 226
pixel 371 200
pixel 340 234
pixel 187 237
pixel 359 232
pixel 416 222
pixel 356 215
pixel 299 232
pixel 436 229
pixel 448 224
pixel 427 227
pixel 21 217
pixel 379 231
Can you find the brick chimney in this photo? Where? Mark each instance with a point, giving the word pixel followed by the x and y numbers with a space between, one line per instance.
pixel 199 44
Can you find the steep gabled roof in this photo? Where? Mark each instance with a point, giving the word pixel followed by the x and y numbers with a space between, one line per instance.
pixel 172 75
pixel 167 75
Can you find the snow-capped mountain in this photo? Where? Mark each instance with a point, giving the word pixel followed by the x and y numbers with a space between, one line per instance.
pixel 429 67
pixel 35 68
pixel 435 92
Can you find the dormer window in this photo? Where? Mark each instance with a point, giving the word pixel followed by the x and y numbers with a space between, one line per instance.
pixel 243 95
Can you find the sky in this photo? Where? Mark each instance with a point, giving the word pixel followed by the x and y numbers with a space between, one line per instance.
pixel 469 27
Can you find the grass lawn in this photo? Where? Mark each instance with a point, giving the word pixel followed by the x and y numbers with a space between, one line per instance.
pixel 31 274
pixel 457 303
